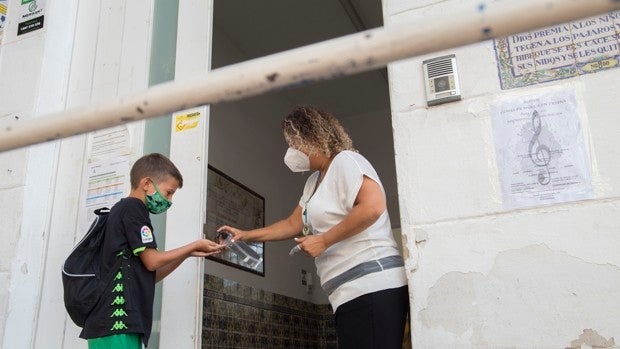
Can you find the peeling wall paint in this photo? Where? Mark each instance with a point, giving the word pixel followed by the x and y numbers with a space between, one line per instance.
pixel 591 339
pixel 528 290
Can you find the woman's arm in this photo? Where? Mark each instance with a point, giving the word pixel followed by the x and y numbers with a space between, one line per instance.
pixel 281 230
pixel 368 206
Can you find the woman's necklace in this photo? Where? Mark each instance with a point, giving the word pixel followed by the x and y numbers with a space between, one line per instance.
pixel 307 229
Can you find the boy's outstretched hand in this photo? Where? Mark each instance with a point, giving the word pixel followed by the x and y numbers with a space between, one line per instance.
pixel 206 248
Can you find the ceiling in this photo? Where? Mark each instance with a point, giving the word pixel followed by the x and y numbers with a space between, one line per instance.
pixel 260 28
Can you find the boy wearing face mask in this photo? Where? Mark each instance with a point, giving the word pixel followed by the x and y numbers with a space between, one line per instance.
pixel 123 316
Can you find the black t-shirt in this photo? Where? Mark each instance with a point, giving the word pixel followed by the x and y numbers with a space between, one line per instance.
pixel 127 304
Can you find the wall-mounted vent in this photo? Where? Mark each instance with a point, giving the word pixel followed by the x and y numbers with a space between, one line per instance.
pixel 441 80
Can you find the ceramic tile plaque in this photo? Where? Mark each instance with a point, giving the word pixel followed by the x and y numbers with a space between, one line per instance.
pixel 559 52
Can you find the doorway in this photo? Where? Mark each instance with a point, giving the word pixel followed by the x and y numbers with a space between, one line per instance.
pixel 245 138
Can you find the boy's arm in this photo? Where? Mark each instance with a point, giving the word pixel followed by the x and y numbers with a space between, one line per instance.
pixel 164 271
pixel 164 262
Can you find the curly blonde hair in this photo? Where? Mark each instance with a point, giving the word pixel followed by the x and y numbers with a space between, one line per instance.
pixel 311 129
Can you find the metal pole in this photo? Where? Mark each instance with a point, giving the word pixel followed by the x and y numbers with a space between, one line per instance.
pixel 347 55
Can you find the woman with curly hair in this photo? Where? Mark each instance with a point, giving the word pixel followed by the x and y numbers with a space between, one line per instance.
pixel 342 221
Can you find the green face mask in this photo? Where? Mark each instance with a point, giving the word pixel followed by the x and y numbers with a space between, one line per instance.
pixel 157 203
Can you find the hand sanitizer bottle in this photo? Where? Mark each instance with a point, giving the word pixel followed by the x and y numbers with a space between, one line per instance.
pixel 244 252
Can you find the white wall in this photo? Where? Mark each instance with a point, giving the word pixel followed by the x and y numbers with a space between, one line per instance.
pixel 482 276
pixel 14 165
pixel 86 53
pixel 181 310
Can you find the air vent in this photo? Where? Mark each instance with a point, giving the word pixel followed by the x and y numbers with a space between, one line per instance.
pixel 438 68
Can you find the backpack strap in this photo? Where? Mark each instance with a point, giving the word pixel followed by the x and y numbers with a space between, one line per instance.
pixel 102 211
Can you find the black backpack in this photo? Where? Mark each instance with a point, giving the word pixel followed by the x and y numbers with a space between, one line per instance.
pixel 82 282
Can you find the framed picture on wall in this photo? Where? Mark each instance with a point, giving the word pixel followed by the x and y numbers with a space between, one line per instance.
pixel 232 203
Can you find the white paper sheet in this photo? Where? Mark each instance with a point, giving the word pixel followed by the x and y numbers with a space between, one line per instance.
pixel 541 154
pixel 106 182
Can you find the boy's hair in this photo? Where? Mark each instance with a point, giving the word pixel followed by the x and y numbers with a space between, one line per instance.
pixel 155 166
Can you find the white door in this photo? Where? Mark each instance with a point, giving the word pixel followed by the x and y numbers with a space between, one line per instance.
pixel 181 318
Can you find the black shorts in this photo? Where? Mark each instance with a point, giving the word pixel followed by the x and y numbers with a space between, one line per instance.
pixel 374 320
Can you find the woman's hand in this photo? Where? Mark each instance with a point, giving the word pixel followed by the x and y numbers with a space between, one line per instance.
pixel 313 245
pixel 238 234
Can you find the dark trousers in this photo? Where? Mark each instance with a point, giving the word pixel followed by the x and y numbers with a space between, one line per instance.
pixel 375 320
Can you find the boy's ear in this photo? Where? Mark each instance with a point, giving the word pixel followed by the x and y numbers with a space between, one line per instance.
pixel 145 184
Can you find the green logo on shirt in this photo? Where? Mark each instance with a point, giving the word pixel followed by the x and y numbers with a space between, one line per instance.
pixel 118 325
pixel 119 312
pixel 118 288
pixel 119 300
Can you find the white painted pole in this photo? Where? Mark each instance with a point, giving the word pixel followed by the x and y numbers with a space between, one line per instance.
pixel 347 55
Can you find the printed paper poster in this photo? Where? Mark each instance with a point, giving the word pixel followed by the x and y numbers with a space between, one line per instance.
pixel 541 153
pixel 110 142
pixel 31 16
pixel 106 182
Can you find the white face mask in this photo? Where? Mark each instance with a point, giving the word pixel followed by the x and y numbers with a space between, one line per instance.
pixel 296 160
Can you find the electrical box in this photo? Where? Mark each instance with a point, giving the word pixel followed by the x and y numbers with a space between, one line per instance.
pixel 441 80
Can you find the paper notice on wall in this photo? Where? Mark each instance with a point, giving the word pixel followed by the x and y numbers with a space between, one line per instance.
pixel 31 15
pixel 106 182
pixel 111 142
pixel 540 148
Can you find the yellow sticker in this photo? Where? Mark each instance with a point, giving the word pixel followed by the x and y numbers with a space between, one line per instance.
pixel 184 122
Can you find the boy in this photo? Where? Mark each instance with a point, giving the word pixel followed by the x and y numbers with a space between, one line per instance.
pixel 123 316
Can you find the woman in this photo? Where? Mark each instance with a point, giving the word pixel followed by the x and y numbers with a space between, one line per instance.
pixel 345 225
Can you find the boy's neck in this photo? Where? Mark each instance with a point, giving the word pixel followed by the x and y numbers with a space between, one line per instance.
pixel 138 194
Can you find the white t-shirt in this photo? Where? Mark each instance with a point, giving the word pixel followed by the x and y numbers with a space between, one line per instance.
pixel 331 202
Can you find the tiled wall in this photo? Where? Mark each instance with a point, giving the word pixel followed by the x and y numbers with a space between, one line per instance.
pixel 238 316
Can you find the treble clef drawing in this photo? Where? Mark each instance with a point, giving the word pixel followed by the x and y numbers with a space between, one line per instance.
pixel 540 153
